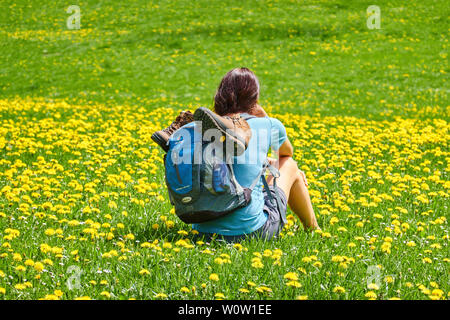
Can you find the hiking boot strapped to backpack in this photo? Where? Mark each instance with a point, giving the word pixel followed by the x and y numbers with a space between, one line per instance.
pixel 162 137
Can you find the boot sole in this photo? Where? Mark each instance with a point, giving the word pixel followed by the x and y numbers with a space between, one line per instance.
pixel 211 121
pixel 160 141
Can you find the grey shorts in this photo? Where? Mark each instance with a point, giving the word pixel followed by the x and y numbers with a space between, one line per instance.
pixel 273 225
pixel 275 215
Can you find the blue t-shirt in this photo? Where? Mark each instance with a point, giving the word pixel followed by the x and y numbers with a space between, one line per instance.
pixel 266 132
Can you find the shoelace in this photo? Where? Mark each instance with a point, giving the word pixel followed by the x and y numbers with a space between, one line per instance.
pixel 179 122
pixel 172 126
pixel 236 120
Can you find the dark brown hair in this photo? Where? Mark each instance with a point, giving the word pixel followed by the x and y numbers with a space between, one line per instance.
pixel 238 92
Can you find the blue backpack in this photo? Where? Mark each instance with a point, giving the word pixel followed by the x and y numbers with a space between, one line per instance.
pixel 207 189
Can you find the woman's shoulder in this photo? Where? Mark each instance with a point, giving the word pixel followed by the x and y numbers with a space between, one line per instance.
pixel 267 122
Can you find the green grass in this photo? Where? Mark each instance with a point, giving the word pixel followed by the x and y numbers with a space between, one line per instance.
pixel 181 50
pixel 367 112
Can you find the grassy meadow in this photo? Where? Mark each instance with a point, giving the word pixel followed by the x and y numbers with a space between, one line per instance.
pixel 84 213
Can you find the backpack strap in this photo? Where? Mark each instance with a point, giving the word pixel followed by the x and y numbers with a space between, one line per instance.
pixel 247 116
pixel 260 175
pixel 277 200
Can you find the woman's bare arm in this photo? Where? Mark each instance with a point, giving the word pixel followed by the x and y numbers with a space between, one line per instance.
pixel 286 149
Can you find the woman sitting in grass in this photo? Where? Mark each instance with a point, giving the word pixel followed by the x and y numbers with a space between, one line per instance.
pixel 238 94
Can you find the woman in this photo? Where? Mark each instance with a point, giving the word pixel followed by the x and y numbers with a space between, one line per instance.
pixel 238 94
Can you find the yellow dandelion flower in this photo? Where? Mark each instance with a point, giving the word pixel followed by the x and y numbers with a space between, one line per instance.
pixel 291 276
pixel 373 286
pixel 339 289
pixel 144 272
pixel 214 277
pixel 295 284
pixel 185 290
pixel 371 295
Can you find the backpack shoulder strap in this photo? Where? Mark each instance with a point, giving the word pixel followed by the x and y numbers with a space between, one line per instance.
pixel 247 116
pixel 261 174
pixel 275 173
pixel 266 165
